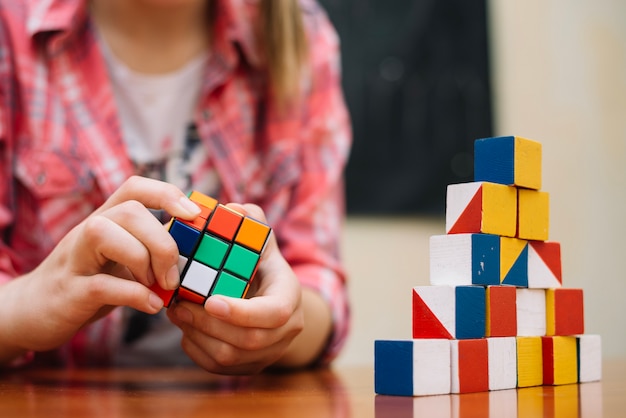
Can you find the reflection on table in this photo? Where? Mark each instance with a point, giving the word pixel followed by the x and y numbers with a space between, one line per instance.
pixel 577 400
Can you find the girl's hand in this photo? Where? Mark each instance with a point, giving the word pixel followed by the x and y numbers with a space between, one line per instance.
pixel 244 336
pixel 107 260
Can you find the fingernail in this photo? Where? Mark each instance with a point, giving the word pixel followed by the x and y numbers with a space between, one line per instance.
pixel 183 315
pixel 155 302
pixel 172 277
pixel 217 307
pixel 189 206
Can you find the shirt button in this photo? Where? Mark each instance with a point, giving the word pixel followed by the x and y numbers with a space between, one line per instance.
pixel 206 114
pixel 41 178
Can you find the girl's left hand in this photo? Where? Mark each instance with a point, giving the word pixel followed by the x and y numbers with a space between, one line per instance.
pixel 244 336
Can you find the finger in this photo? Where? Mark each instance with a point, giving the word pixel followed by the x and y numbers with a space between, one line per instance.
pixel 194 320
pixel 154 194
pixel 220 356
pixel 101 290
pixel 102 241
pixel 146 229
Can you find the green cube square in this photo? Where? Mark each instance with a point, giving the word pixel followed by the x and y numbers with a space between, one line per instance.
pixel 241 261
pixel 211 251
pixel 229 285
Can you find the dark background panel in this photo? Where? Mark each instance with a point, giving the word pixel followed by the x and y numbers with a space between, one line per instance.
pixel 416 80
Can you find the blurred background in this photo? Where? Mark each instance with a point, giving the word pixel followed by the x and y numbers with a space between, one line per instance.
pixel 423 79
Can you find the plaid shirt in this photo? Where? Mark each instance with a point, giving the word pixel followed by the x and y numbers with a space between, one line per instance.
pixel 62 154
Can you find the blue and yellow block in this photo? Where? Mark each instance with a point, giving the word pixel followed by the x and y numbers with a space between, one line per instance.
pixel 219 252
pixel 509 160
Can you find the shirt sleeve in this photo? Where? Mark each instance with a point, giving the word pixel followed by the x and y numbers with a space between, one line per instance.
pixel 310 233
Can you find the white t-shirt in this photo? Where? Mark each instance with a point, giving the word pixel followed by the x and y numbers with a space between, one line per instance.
pixel 156 114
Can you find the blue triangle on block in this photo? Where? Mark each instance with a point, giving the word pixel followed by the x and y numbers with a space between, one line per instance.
pixel 518 274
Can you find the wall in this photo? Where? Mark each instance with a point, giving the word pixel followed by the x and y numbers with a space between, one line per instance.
pixel 559 77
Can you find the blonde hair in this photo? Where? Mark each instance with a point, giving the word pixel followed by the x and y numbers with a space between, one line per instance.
pixel 284 46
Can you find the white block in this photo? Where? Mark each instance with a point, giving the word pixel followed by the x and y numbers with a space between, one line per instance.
pixel 531 312
pixel 589 357
pixel 431 367
pixel 502 363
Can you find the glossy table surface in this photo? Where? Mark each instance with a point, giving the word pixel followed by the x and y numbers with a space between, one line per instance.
pixel 337 392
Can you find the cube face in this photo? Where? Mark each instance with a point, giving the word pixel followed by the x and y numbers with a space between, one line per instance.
pixel 533 215
pixel 470 312
pixel 544 265
pixel 481 207
pixel 220 250
pixel 531 312
pixel 412 367
pixel 470 366
pixel 465 259
pixel 560 362
pixel 564 311
pixel 502 362
pixel 501 313
pixel 513 262
pixel 509 160
pixel 589 357
pixel 434 312
pixel 529 362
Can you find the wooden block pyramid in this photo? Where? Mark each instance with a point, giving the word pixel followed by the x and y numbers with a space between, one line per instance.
pixel 495 315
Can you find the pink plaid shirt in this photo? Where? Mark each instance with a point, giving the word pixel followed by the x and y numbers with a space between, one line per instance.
pixel 62 155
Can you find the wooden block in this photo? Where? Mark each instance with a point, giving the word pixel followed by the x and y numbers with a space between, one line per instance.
pixel 502 363
pixel 564 311
pixel 412 367
pixel 448 312
pixel 510 160
pixel 469 366
pixel 464 259
pixel 589 357
pixel 533 215
pixel 544 265
pixel 481 207
pixel 501 312
pixel 513 262
pixel 529 362
pixel 531 312
pixel 560 362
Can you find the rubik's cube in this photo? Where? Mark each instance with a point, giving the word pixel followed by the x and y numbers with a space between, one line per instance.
pixel 219 252
pixel 496 314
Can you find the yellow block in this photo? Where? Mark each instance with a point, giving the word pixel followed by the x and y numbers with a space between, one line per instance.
pixel 499 215
pixel 533 216
pixel 527 163
pixel 565 360
pixel 529 362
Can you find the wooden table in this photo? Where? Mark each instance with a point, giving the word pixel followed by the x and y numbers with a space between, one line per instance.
pixel 340 392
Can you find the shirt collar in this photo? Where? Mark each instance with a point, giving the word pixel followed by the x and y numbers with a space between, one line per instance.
pixel 235 24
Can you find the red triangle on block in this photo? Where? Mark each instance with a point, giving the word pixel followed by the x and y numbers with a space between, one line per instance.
pixel 550 253
pixel 470 219
pixel 425 322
